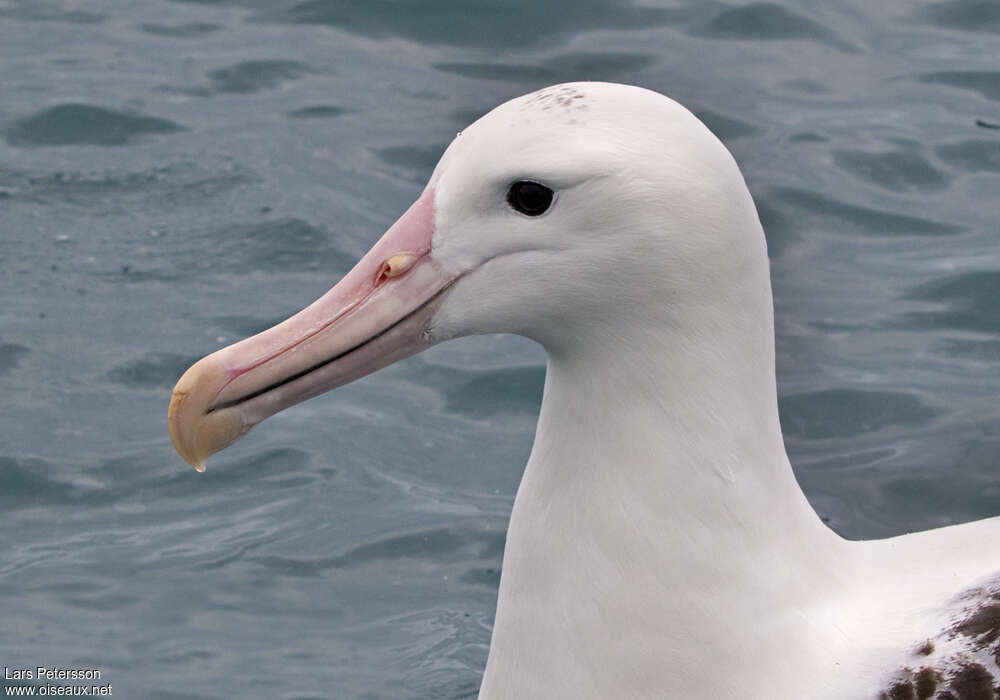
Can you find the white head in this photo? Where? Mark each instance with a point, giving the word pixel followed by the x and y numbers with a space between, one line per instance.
pixel 648 210
pixel 650 229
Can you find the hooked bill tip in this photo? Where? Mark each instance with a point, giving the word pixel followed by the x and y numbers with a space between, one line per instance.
pixel 195 431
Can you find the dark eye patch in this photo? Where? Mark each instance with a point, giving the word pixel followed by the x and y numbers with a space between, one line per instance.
pixel 531 198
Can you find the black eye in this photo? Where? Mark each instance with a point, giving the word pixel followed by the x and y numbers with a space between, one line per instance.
pixel 531 198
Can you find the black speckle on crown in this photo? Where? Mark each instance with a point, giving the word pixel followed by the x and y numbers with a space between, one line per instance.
pixel 565 97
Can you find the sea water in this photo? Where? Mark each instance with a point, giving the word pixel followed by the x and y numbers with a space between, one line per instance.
pixel 175 176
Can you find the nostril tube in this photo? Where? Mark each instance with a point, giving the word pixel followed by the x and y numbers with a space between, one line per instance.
pixel 395 266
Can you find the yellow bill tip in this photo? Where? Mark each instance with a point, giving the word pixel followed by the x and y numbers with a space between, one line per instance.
pixel 195 431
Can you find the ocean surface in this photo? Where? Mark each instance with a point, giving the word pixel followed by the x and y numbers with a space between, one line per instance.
pixel 175 176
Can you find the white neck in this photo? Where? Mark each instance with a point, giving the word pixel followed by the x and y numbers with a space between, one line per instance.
pixel 659 526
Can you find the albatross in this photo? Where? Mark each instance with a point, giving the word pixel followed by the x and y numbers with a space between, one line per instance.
pixel 659 545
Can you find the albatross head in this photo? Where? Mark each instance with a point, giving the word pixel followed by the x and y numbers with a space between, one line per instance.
pixel 582 215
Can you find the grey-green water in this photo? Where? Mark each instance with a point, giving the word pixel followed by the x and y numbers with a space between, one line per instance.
pixel 177 175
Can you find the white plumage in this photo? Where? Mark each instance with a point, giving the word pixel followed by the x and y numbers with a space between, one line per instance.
pixel 659 545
